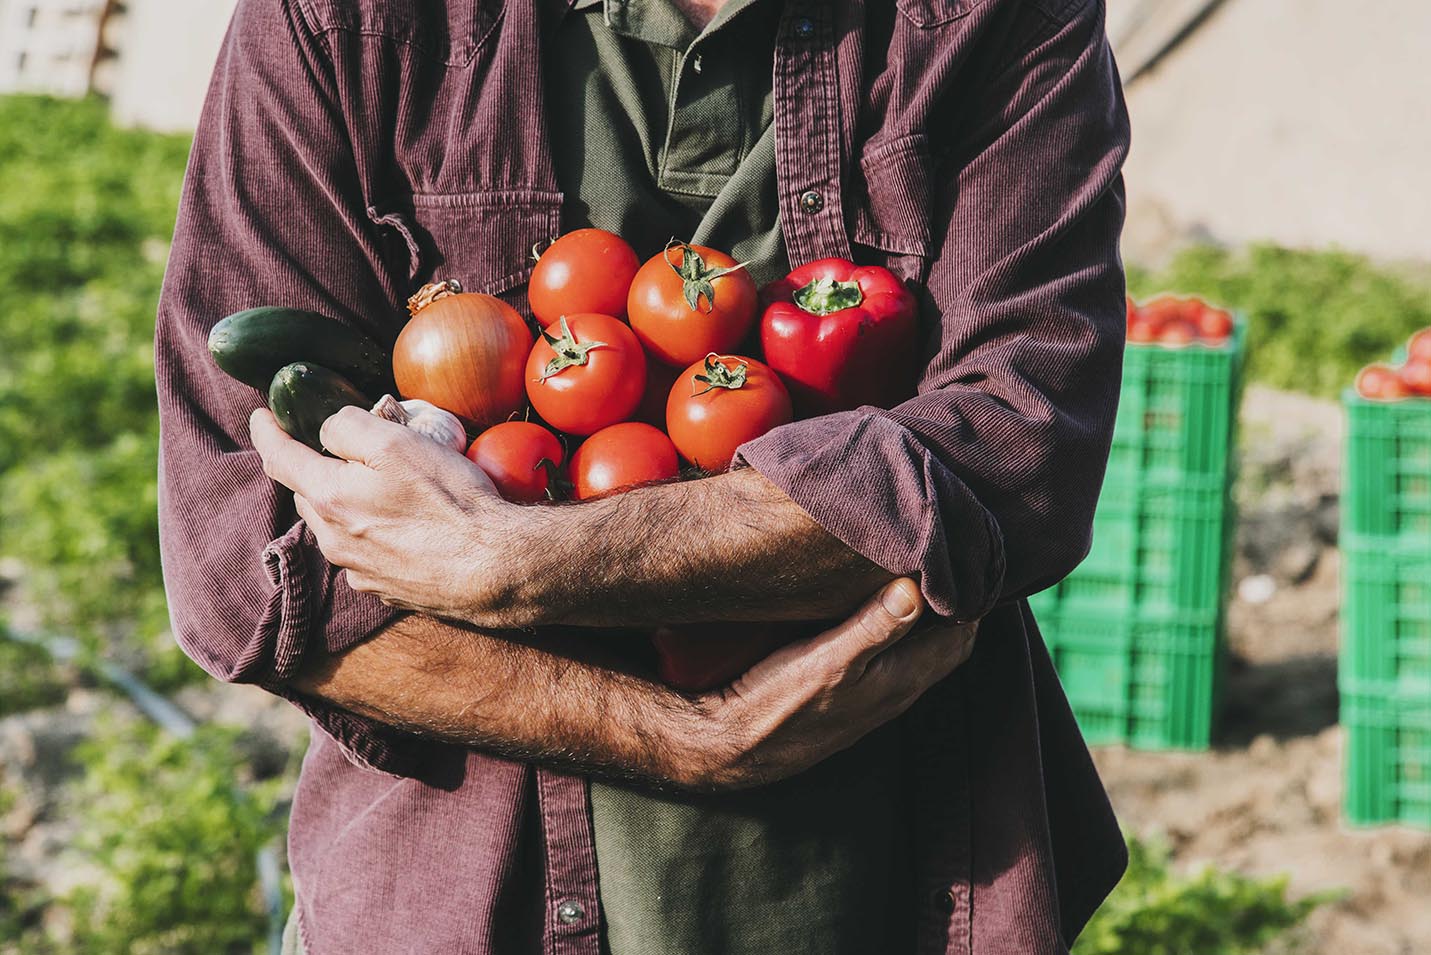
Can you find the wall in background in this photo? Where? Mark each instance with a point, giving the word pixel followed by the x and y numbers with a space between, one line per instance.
pixel 1303 122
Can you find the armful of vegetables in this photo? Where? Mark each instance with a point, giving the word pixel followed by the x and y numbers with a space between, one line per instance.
pixel 555 415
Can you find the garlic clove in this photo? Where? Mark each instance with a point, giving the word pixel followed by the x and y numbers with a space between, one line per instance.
pixel 426 419
pixel 444 427
pixel 390 409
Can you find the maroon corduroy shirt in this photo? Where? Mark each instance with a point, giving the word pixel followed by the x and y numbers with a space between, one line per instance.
pixel 349 149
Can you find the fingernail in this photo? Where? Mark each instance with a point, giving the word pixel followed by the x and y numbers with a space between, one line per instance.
pixel 898 600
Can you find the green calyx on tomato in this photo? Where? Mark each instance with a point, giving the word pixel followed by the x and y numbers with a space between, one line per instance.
pixel 696 276
pixel 720 375
pixel 569 351
pixel 825 295
pixel 555 481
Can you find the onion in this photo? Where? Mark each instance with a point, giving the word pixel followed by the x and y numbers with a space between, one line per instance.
pixel 464 352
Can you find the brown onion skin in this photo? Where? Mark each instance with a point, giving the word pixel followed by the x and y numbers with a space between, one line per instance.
pixel 466 353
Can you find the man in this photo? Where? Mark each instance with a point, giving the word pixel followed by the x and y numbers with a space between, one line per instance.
pixel 489 771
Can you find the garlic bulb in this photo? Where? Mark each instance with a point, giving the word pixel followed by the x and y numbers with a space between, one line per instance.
pixel 426 419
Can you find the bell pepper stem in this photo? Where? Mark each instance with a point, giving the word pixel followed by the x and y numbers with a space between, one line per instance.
pixel 823 296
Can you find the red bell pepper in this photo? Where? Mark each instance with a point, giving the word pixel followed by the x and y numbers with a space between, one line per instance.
pixel 841 336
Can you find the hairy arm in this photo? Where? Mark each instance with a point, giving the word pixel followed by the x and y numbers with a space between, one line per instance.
pixel 728 547
pixel 424 528
pixel 547 698
pixel 552 699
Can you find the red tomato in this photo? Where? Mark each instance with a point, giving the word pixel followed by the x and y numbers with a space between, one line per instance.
pixel 1214 325
pixel 690 301
pixel 1416 376
pixel 1177 331
pixel 721 402
pixel 521 458
pixel 697 657
pixel 659 379
pixel 620 457
pixel 589 270
pixel 1419 347
pixel 1161 310
pixel 1381 383
pixel 1143 330
pixel 587 375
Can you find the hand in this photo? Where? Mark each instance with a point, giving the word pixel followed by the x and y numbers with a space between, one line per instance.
pixel 815 697
pixel 413 522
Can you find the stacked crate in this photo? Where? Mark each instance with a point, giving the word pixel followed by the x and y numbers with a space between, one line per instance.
pixel 1385 667
pixel 1136 630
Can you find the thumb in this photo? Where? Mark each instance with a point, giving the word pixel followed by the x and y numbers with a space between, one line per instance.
pixel 883 619
pixel 357 435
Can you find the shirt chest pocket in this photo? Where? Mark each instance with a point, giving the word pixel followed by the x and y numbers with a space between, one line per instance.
pixel 483 239
pixel 892 219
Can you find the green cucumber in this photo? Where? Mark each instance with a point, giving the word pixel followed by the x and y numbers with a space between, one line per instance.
pixel 253 344
pixel 302 396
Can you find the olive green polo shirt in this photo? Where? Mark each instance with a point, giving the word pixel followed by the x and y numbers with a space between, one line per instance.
pixel 660 130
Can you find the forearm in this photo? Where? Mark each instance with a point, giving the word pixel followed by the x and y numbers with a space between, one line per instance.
pixel 793 709
pixel 730 547
pixel 516 695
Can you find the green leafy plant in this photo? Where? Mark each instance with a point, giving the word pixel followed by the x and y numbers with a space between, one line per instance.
pixel 1155 912
pixel 87 210
pixel 175 840
pixel 28 679
pixel 1315 317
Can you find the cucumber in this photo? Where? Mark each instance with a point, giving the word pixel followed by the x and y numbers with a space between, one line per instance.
pixel 302 396
pixel 253 344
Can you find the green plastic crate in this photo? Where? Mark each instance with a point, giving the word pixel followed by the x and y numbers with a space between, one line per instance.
pixel 1386 610
pixel 1147 679
pixel 1388 752
pixel 1385 663
pixel 1177 412
pixel 1136 630
pixel 1387 479
pixel 1155 546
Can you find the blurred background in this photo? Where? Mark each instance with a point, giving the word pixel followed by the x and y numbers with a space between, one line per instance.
pixel 1249 644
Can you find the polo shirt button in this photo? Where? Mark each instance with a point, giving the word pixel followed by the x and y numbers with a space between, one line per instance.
pixel 570 912
pixel 811 201
pixel 804 28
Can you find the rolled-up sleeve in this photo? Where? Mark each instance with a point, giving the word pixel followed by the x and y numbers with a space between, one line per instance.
pixel 983 485
pixel 271 213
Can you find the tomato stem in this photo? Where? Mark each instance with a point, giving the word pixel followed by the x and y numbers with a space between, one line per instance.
pixel 696 277
pixel 569 352
pixel 823 296
pixel 554 479
pixel 720 375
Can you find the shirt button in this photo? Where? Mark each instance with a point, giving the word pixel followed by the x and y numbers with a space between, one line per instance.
pixel 811 201
pixel 570 912
pixel 804 28
pixel 944 901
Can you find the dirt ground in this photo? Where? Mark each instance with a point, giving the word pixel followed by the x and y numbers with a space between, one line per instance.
pixel 1267 800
